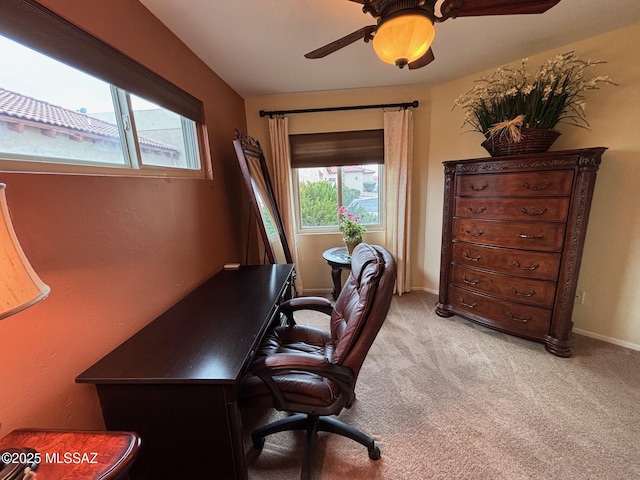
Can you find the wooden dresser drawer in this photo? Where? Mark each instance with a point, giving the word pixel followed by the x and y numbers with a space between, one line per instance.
pixel 545 209
pixel 512 317
pixel 513 231
pixel 523 263
pixel 547 237
pixel 551 182
pixel 517 289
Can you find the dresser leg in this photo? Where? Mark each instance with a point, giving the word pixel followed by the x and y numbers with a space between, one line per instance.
pixel 558 348
pixel 441 311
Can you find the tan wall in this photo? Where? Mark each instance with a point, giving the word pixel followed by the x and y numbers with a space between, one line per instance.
pixel 610 263
pixel 115 251
pixel 313 269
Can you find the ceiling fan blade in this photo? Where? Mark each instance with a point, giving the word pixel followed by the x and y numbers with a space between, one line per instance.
pixel 423 61
pixel 364 32
pixel 477 8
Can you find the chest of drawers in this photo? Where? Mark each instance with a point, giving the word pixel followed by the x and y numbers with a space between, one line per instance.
pixel 512 240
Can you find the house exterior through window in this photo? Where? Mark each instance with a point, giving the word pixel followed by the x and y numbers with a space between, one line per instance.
pixel 56 117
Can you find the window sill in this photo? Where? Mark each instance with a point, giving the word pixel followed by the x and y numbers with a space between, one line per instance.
pixel 15 166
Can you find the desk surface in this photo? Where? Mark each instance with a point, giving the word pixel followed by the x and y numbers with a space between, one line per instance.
pixel 207 337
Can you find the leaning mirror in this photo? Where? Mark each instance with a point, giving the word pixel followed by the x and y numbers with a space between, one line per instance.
pixel 263 203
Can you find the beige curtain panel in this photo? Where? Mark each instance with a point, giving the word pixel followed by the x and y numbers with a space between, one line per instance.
pixel 398 160
pixel 280 158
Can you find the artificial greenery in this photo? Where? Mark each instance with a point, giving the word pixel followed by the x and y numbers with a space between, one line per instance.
pixel 512 97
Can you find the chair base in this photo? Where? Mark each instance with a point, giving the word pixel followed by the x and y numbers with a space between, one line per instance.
pixel 313 424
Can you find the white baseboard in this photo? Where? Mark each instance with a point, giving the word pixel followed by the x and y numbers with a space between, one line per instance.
pixel 615 341
pixel 424 289
pixel 579 331
pixel 586 333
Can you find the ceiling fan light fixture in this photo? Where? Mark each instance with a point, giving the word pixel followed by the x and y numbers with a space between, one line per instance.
pixel 403 38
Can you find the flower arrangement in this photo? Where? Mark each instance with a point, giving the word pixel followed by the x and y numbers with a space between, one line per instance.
pixel 350 226
pixel 512 98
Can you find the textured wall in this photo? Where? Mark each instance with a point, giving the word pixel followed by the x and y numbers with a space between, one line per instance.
pixel 608 274
pixel 316 274
pixel 116 251
pixel 612 306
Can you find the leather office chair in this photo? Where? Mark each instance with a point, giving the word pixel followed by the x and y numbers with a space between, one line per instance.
pixel 313 372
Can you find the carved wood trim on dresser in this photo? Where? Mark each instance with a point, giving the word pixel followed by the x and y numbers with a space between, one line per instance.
pixel 512 240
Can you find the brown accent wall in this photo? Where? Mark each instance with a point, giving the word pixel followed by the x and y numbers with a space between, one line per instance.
pixel 116 251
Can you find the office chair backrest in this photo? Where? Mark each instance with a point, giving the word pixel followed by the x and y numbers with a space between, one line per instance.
pixel 363 304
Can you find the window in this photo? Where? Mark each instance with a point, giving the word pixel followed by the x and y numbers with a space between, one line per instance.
pixel 158 128
pixel 108 112
pixel 338 169
pixel 321 190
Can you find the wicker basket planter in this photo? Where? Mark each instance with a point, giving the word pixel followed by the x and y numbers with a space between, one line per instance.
pixel 534 140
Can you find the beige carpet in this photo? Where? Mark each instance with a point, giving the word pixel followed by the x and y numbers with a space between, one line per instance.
pixel 447 399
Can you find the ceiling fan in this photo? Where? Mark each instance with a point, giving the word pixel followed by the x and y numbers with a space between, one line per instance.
pixel 405 28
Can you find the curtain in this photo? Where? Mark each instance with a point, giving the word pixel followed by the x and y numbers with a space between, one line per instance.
pixel 398 154
pixel 280 158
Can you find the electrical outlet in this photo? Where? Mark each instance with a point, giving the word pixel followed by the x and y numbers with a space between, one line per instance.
pixel 580 294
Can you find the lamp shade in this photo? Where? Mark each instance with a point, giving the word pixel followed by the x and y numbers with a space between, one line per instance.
pixel 403 38
pixel 20 286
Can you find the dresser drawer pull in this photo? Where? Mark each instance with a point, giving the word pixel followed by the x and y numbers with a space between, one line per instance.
pixel 540 187
pixel 532 237
pixel 530 293
pixel 533 266
pixel 471 259
pixel 533 214
pixel 470 305
pixel 471 209
pixel 470 282
pixel 478 189
pixel 521 320
pixel 469 232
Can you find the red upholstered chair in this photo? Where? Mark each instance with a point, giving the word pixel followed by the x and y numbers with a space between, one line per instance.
pixel 312 372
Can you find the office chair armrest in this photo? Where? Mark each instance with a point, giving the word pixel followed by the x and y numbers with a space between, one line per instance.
pixel 295 361
pixel 319 304
pixel 286 363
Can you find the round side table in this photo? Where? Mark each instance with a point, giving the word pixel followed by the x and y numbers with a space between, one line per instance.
pixel 338 259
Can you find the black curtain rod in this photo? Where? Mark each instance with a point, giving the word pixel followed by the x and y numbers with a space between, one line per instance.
pixel 413 104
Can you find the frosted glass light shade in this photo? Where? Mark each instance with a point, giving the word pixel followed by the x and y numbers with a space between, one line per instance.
pixel 403 38
pixel 20 286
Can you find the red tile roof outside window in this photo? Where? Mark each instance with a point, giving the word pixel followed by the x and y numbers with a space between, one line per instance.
pixel 15 106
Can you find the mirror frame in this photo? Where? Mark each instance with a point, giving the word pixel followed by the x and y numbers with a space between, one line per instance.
pixel 247 147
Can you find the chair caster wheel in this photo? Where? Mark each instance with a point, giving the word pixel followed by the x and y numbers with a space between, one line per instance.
pixel 258 442
pixel 374 453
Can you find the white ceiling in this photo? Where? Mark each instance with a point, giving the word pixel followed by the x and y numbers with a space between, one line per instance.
pixel 258 46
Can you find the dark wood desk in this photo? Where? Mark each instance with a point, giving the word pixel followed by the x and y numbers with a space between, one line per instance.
pixel 176 381
pixel 81 455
